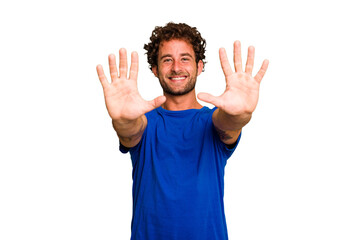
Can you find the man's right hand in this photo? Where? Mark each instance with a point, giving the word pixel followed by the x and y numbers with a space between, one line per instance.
pixel 122 97
pixel 124 104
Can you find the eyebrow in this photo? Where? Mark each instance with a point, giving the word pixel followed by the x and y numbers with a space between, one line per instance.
pixel 182 55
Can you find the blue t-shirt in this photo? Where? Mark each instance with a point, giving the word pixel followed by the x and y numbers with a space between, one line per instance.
pixel 178 177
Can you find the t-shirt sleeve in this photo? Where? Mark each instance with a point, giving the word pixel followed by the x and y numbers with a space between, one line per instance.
pixel 220 145
pixel 123 149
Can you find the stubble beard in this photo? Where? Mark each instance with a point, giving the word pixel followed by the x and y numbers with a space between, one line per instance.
pixel 190 85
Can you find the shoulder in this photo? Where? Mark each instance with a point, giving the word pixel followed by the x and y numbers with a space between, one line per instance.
pixel 153 113
pixel 207 111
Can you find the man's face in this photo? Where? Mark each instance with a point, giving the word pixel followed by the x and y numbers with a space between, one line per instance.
pixel 177 69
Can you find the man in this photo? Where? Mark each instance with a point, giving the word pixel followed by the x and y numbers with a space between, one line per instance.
pixel 178 147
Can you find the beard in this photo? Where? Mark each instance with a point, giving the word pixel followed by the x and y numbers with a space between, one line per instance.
pixel 189 86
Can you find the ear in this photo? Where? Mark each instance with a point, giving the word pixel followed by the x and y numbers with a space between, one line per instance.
pixel 155 71
pixel 200 66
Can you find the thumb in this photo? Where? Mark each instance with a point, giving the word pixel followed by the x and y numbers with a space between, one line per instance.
pixel 155 103
pixel 207 97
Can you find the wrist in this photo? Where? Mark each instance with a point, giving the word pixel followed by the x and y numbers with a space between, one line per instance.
pixel 129 128
pixel 229 122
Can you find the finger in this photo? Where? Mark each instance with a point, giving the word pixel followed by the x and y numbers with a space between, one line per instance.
pixel 237 56
pixel 134 67
pixel 225 65
pixel 207 97
pixel 100 71
pixel 123 63
pixel 113 69
pixel 250 60
pixel 259 76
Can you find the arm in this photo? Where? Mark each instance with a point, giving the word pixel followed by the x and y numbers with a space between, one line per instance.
pixel 124 104
pixel 238 102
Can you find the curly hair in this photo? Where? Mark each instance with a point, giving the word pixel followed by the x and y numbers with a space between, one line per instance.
pixel 175 31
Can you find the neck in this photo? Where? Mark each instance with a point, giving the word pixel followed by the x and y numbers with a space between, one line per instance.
pixel 182 102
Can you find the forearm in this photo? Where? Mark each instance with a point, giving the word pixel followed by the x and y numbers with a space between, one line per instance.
pixel 227 122
pixel 229 126
pixel 130 132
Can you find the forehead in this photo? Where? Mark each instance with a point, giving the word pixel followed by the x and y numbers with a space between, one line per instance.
pixel 175 47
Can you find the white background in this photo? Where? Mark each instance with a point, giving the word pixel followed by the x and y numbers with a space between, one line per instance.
pixel 295 174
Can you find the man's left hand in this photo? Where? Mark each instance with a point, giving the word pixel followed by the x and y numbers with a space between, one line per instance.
pixel 242 89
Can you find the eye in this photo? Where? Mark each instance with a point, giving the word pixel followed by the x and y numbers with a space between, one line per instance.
pixel 185 59
pixel 167 60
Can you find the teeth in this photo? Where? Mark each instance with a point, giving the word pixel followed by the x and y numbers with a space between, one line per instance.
pixel 178 78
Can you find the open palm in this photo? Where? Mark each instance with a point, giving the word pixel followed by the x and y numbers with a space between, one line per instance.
pixel 242 89
pixel 122 97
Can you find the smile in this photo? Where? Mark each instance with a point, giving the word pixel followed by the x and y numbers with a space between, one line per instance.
pixel 177 78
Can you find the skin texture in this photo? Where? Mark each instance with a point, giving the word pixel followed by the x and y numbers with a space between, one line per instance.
pixel 177 72
pixel 240 98
pixel 124 104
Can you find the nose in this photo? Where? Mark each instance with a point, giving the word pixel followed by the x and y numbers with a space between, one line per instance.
pixel 176 67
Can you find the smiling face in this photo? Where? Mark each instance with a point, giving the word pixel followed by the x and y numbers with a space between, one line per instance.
pixel 177 69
